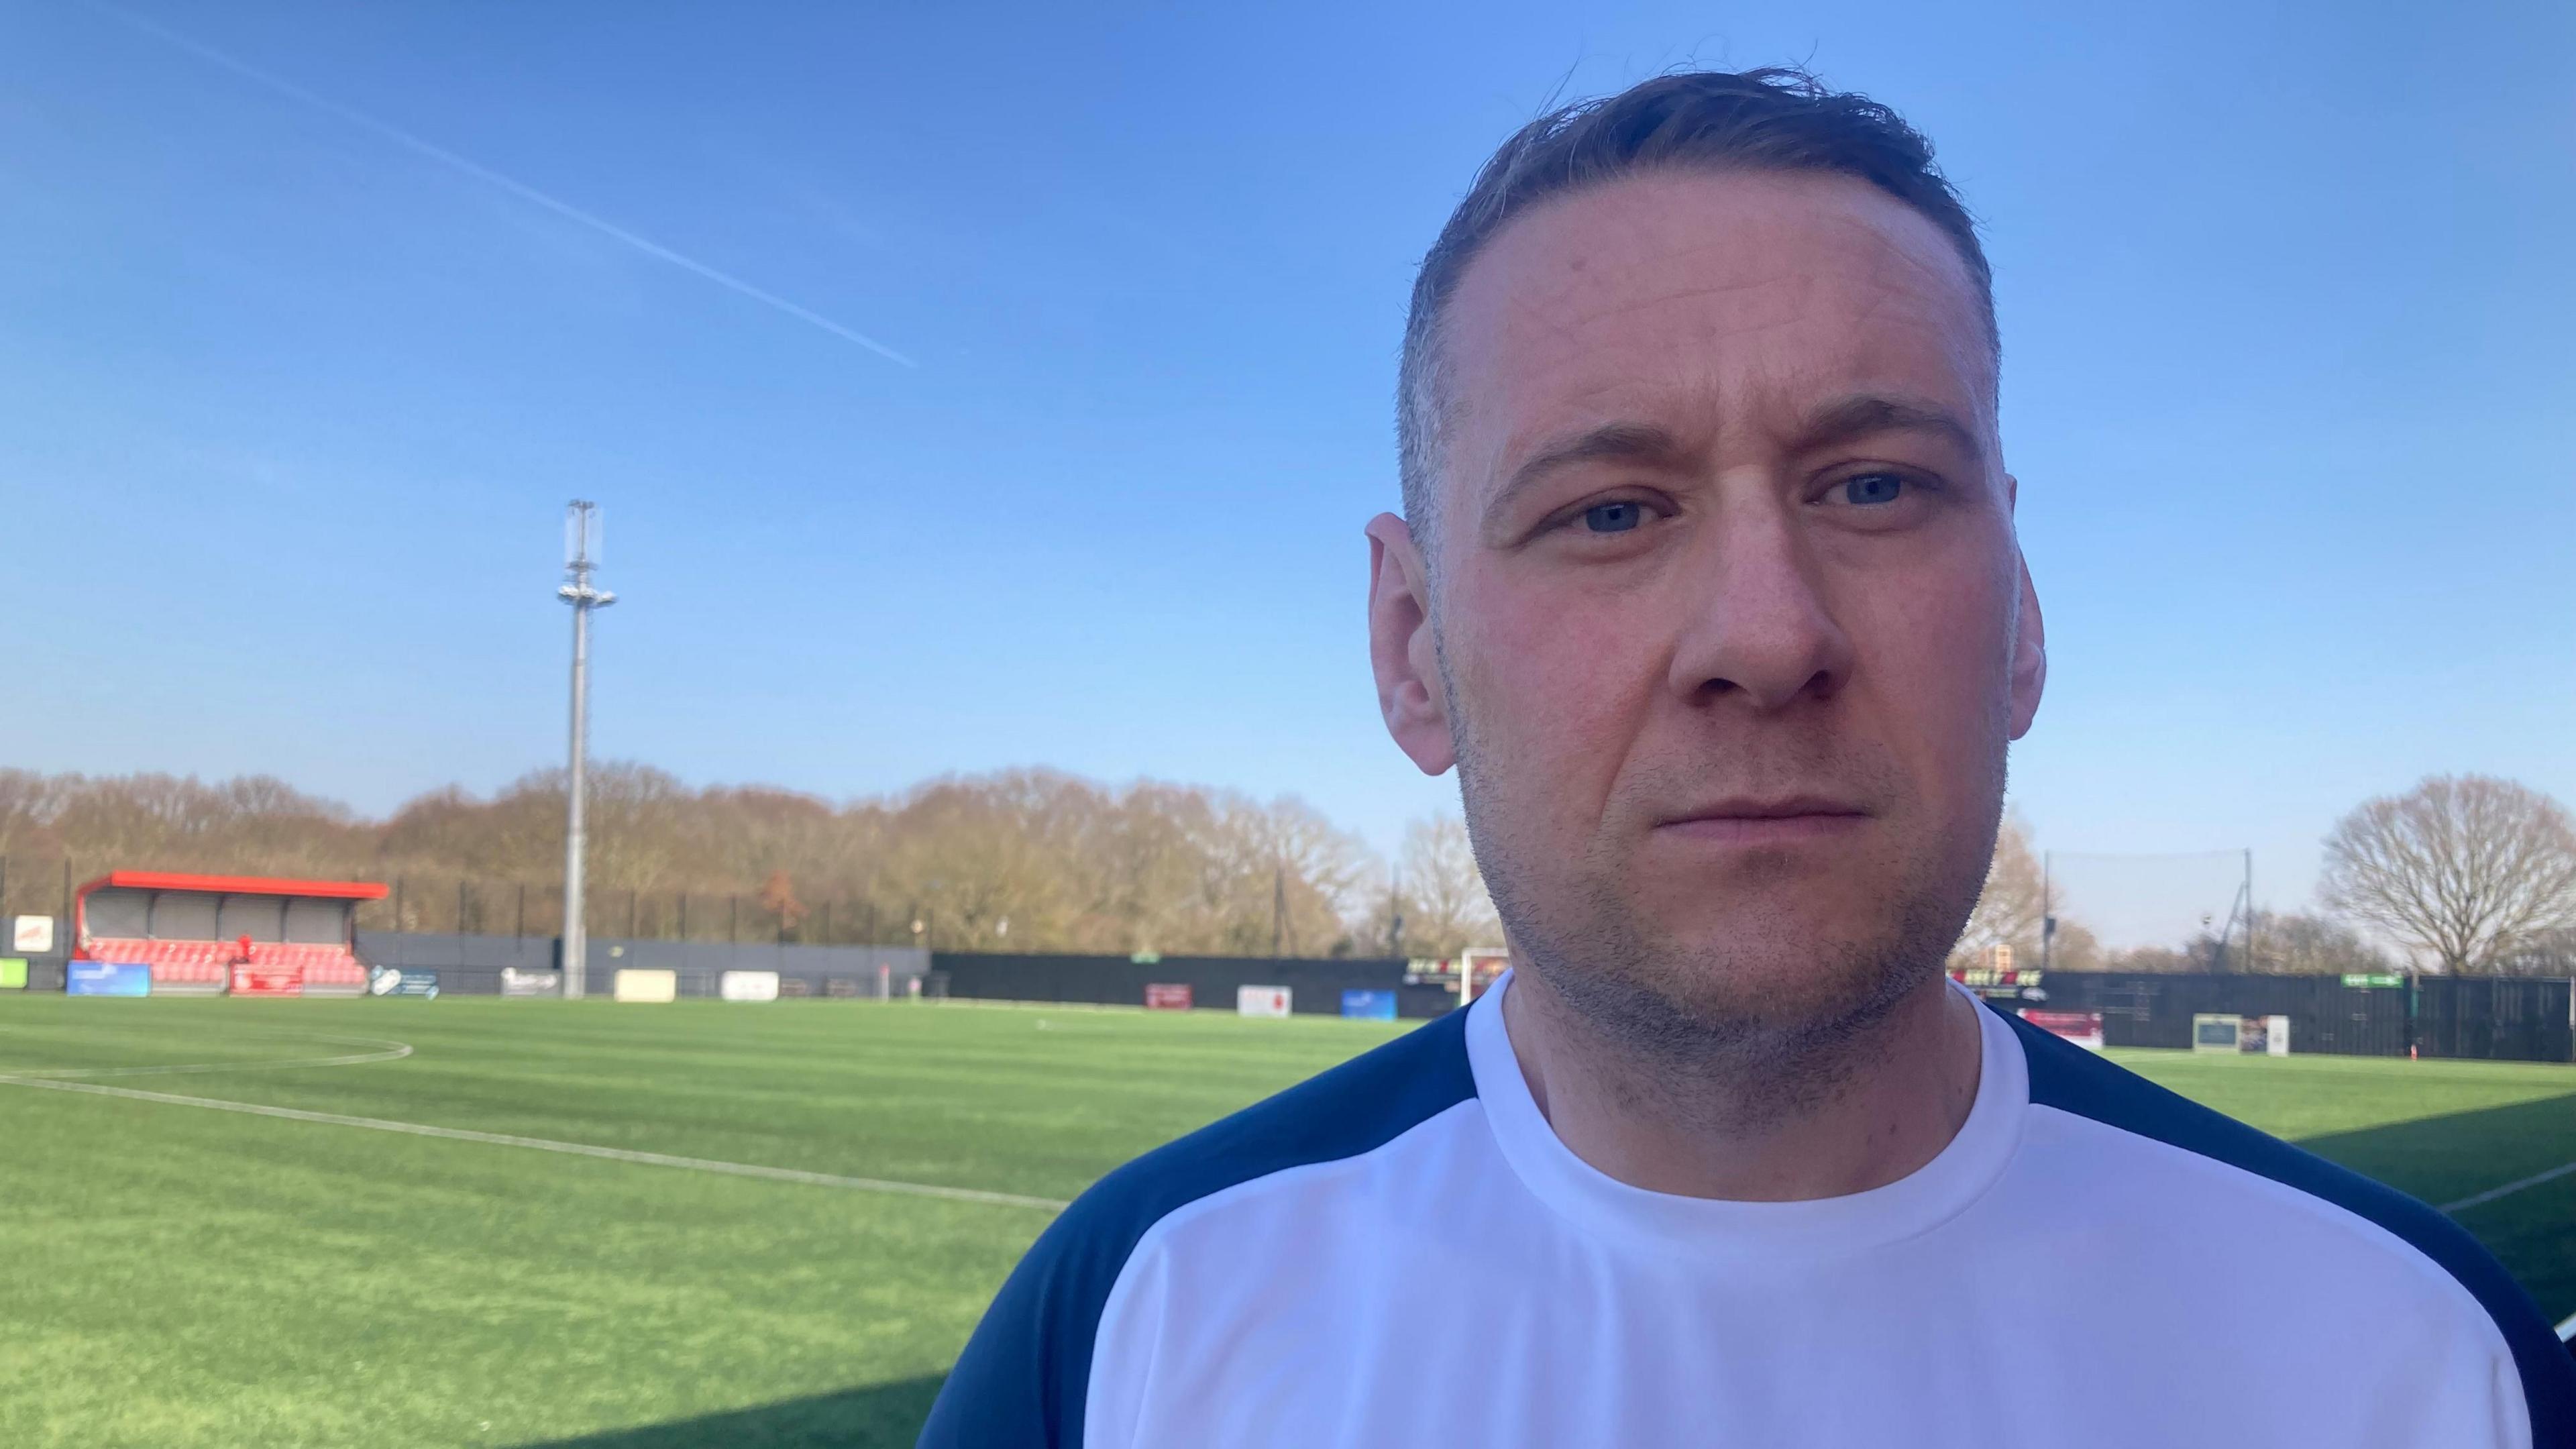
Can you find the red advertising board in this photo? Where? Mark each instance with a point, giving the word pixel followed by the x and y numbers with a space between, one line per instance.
pixel 2084 1028
pixel 267 981
pixel 1164 996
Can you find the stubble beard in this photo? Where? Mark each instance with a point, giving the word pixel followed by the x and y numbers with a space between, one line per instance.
pixel 1739 1032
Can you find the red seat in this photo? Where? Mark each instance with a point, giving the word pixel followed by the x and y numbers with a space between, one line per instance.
pixel 177 962
pixel 210 962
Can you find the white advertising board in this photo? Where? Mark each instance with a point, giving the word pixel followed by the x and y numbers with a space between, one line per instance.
pixel 635 985
pixel 748 986
pixel 1261 1000
pixel 2216 1032
pixel 2276 1035
pixel 32 934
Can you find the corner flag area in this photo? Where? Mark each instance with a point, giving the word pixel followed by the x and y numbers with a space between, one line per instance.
pixel 490 1222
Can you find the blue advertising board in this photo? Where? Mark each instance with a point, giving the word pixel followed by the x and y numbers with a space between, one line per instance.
pixel 1369 1005
pixel 107 978
pixel 394 981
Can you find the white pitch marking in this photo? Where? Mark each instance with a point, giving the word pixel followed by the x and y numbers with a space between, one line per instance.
pixel 399 1050
pixel 2491 1194
pixel 2567 1328
pixel 541 1144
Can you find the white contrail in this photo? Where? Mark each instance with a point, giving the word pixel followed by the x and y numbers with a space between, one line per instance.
pixel 517 188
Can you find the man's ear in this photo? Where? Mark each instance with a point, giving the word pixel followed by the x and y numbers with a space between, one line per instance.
pixel 1401 649
pixel 2030 636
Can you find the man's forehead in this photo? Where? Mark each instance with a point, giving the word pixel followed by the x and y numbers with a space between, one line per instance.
pixel 1734 296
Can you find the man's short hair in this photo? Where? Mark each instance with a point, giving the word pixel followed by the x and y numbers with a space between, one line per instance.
pixel 1774 119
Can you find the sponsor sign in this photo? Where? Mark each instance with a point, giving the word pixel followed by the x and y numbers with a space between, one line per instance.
pixel 2216 1032
pixel 748 986
pixel 266 981
pixel 637 985
pixel 31 934
pixel 1166 996
pixel 394 981
pixel 1261 1000
pixel 515 982
pixel 2276 1035
pixel 13 973
pixel 2084 1028
pixel 1369 1005
pixel 107 978
pixel 2006 983
pixel 2372 978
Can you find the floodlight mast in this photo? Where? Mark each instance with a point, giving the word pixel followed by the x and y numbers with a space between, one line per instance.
pixel 581 558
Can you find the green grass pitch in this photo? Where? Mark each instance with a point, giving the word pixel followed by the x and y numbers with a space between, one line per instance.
pixel 178 1277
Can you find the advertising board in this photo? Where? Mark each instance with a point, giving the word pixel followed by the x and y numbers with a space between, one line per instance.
pixel 748 986
pixel 13 973
pixel 515 982
pixel 2084 1028
pixel 1368 1005
pixel 32 934
pixel 1168 996
pixel 639 985
pixel 107 978
pixel 2276 1036
pixel 394 981
pixel 265 981
pixel 1261 1001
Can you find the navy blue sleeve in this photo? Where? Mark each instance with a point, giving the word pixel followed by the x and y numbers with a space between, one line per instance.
pixel 1026 1373
pixel 2072 1079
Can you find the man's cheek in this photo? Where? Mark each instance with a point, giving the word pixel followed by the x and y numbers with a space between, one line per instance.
pixel 1557 695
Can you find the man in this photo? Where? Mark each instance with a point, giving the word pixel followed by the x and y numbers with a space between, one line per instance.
pixel 1708 585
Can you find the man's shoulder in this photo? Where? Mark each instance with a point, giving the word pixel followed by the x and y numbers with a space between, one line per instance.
pixel 1351 1110
pixel 1024 1374
pixel 2267 1179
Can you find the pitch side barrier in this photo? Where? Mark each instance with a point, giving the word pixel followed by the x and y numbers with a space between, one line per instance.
pixel 531 965
pixel 1315 986
pixel 2495 1018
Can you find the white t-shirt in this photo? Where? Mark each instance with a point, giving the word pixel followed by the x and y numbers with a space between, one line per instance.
pixel 1400 1254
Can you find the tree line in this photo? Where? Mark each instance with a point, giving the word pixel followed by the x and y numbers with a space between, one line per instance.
pixel 2465 874
pixel 1026 859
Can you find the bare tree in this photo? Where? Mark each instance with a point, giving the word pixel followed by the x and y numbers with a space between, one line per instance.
pixel 2009 909
pixel 2301 944
pixel 1447 909
pixel 2466 869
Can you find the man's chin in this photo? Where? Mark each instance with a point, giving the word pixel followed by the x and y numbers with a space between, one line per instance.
pixel 1781 970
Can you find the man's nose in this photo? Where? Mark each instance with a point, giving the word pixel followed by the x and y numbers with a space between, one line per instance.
pixel 1759 627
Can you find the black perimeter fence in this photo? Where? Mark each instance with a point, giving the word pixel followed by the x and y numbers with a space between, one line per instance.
pixel 2501 1018
pixel 2477 1017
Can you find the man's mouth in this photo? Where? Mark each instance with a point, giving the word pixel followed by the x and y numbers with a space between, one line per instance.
pixel 1765 820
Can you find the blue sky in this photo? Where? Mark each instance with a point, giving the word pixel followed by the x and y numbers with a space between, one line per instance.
pixel 289 407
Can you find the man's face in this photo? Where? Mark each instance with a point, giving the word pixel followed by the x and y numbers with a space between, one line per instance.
pixel 1727 626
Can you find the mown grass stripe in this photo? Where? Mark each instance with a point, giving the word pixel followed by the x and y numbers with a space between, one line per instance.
pixel 2510 1188
pixel 541 1144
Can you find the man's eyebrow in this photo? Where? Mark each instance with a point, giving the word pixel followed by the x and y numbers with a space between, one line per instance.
pixel 1611 442
pixel 1853 418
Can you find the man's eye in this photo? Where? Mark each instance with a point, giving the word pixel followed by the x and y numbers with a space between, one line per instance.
pixel 1872 488
pixel 1614 517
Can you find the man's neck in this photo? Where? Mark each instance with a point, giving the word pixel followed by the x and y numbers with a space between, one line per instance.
pixel 1888 1103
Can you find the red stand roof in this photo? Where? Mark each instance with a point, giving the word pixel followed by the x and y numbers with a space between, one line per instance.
pixel 240 885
